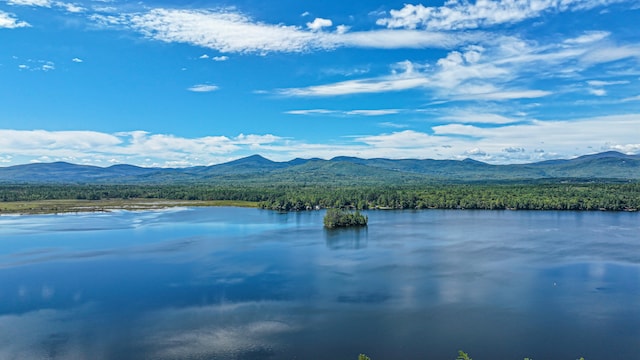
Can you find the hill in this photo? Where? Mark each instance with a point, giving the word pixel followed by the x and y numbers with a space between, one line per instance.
pixel 340 170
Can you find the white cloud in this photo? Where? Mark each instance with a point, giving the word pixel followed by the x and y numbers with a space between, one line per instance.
pixel 48 66
pixel 203 88
pixel 491 93
pixel 133 147
pixel 597 92
pixel 72 8
pixel 632 98
pixel 523 141
pixel 77 60
pixel 600 83
pixel 496 69
pixel 224 30
pixel 318 23
pixel 310 112
pixel 342 29
pixel 561 137
pixel 462 75
pixel 402 39
pixel 42 3
pixel 377 85
pixel 629 149
pixel 6 158
pixel 367 112
pixel 609 53
pixel 378 112
pixel 474 152
pixel 462 14
pixel 220 58
pixel 8 21
pixel 393 125
pixel 41 140
pixel 396 82
pixel 514 150
pixel 37 65
pixel 204 56
pixel 588 37
pixel 69 7
pixel 476 116
pixel 402 139
pixel 229 31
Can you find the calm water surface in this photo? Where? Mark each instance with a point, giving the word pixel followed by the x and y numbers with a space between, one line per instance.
pixel 231 283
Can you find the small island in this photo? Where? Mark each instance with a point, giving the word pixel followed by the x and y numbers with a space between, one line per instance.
pixel 335 218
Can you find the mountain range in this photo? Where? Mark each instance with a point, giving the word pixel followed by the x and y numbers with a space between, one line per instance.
pixel 344 170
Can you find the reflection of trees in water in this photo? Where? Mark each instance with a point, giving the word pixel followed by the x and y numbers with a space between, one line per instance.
pixel 347 238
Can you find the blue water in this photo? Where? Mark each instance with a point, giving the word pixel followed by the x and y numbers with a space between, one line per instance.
pixel 232 283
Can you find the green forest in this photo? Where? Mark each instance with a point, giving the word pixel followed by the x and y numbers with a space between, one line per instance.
pixel 335 218
pixel 560 195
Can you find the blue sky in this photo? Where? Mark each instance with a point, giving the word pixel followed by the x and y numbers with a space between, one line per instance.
pixel 174 83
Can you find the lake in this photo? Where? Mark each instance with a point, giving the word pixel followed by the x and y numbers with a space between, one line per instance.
pixel 234 283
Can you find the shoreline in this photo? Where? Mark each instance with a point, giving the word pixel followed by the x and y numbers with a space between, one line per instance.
pixel 71 206
pixel 44 207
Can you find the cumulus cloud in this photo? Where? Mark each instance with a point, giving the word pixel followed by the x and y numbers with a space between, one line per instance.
pixel 220 58
pixel 561 137
pixel 77 60
pixel 498 68
pixel 134 147
pixel 463 75
pixel 521 141
pixel 462 14
pixel 318 23
pixel 203 88
pixel 9 21
pixel 342 29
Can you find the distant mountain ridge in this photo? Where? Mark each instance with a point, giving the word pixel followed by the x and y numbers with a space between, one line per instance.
pixel 257 169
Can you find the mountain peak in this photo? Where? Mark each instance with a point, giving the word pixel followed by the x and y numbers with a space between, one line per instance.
pixel 606 154
pixel 253 159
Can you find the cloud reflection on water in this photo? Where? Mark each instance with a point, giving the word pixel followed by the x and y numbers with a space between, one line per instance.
pixel 194 288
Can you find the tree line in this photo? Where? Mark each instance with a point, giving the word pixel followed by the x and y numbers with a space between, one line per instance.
pixel 298 197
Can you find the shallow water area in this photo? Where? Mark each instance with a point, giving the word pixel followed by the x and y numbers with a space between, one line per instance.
pixel 237 283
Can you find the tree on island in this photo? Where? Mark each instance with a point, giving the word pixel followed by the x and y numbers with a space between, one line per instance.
pixel 342 218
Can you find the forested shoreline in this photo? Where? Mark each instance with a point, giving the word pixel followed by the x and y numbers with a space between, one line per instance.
pixel 559 195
